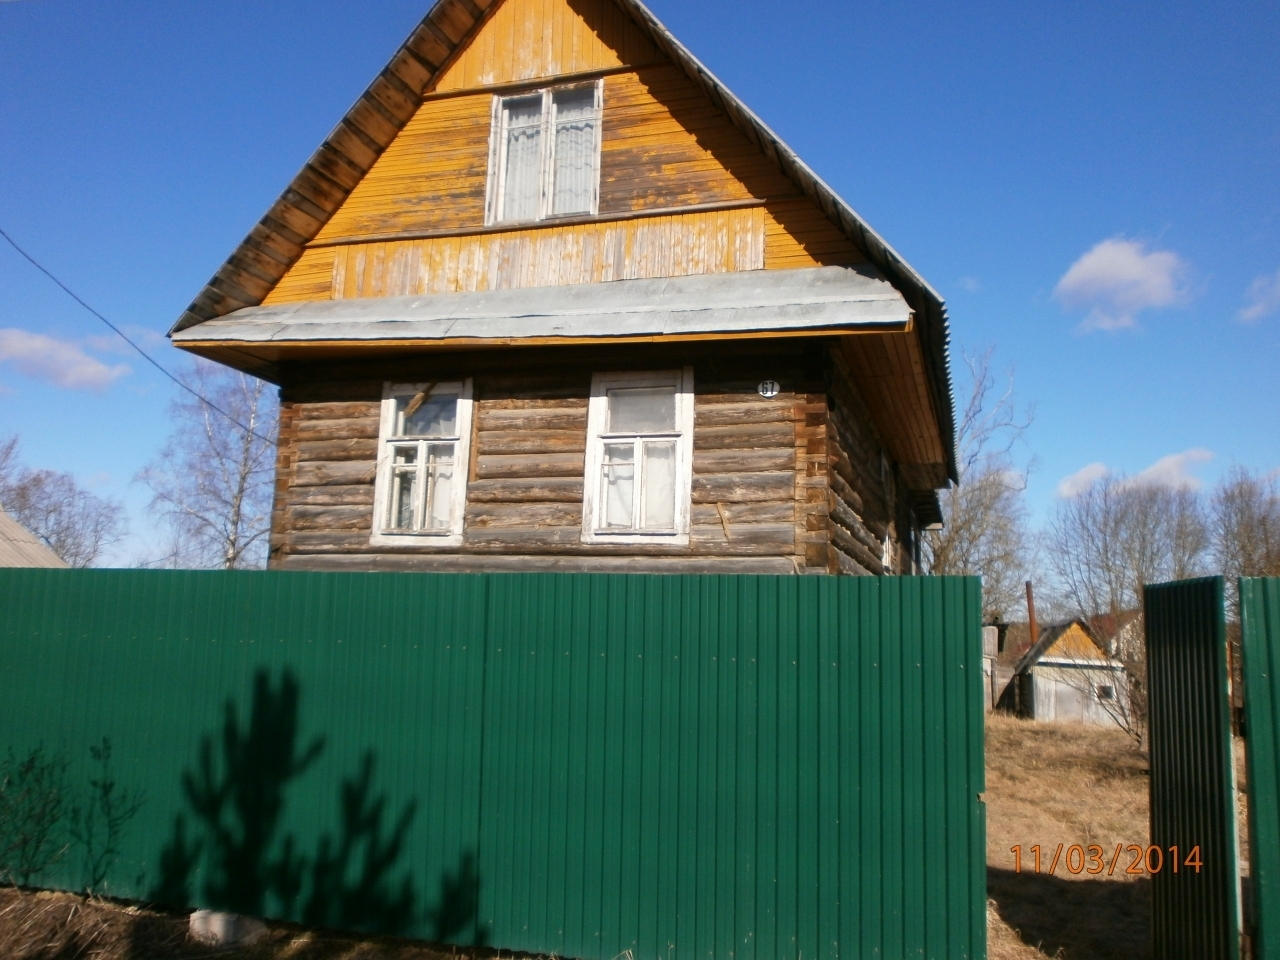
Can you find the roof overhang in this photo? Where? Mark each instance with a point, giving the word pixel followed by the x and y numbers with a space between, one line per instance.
pixel 825 301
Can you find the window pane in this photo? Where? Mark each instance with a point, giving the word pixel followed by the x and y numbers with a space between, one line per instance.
pixel 575 151
pixel 434 416
pixel 642 410
pixel 618 485
pixel 659 479
pixel 404 477
pixel 523 121
pixel 439 485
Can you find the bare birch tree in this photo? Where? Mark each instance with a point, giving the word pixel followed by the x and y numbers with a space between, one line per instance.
pixel 1246 528
pixel 213 480
pixel 984 529
pixel 72 522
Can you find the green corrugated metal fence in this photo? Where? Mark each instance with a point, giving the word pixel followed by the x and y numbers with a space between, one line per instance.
pixel 1195 913
pixel 746 767
pixel 1260 641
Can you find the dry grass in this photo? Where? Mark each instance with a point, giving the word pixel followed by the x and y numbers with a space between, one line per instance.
pixel 63 926
pixel 1064 783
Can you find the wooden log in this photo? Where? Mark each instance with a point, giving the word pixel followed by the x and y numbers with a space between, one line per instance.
pixel 743 436
pixel 485 563
pixel 331 518
pixel 524 466
pixel 843 515
pixel 845 541
pixel 840 486
pixel 532 441
pixel 532 418
pixel 356 495
pixel 553 489
pixel 335 450
pixel 339 473
pixel 354 428
pixel 708 514
pixel 740 412
pixel 344 410
pixel 532 515
pixel 740 461
pixel 730 488
pixel 848 566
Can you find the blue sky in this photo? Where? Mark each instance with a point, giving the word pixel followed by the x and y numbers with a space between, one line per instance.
pixel 1094 188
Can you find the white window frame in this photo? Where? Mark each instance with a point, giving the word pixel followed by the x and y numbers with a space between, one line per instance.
pixel 495 186
pixel 452 536
pixel 597 419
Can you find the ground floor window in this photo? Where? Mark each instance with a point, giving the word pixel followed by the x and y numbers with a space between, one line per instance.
pixel 639 464
pixel 424 441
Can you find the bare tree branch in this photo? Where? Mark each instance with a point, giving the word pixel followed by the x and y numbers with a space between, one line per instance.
pixel 213 480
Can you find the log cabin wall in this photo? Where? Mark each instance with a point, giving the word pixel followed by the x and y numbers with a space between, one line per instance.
pixel 769 475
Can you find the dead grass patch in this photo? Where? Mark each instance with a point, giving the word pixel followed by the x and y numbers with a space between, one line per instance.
pixel 1071 784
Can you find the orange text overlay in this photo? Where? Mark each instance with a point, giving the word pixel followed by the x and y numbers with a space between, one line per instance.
pixel 1093 859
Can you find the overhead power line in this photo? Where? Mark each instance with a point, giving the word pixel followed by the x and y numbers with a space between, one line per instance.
pixel 121 334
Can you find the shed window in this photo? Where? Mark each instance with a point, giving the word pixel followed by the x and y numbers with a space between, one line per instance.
pixel 422 463
pixel 544 157
pixel 1106 692
pixel 639 458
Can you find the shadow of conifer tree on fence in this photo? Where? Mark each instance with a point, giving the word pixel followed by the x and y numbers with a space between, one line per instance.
pixel 236 797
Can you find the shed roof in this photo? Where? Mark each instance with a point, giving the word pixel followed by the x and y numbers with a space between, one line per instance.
pixel 19 547
pixel 347 154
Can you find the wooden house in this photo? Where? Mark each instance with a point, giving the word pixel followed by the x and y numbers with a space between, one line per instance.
pixel 19 547
pixel 550 297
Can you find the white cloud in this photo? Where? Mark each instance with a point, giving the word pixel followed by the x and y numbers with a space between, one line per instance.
pixel 1173 471
pixel 1081 480
pixel 1118 279
pixel 1263 297
pixel 58 361
pixel 971 284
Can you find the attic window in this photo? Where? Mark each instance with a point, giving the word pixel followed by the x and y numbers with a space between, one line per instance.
pixel 544 155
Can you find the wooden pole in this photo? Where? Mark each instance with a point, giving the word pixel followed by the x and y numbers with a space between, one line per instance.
pixel 1031 615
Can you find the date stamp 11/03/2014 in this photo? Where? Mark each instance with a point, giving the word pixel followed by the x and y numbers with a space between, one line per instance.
pixel 1093 859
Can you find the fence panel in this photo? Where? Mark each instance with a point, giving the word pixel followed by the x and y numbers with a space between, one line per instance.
pixel 1195 911
pixel 737 767
pixel 1260 642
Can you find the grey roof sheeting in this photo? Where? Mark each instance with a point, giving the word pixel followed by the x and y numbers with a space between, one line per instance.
pixel 19 547
pixel 822 298
pixel 329 176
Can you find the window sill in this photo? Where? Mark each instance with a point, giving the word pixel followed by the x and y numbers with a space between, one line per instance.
pixel 415 540
pixel 673 539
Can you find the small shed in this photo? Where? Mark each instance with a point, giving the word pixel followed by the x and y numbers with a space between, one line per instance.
pixel 19 547
pixel 1068 676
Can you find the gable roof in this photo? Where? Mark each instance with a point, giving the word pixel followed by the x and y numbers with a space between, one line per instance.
pixel 349 152
pixel 19 547
pixel 1050 634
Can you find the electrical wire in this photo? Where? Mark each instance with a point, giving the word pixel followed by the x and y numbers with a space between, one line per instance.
pixel 120 333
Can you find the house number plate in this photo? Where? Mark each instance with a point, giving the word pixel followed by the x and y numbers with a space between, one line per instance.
pixel 768 388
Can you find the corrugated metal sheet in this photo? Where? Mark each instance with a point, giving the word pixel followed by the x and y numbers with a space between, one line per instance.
pixel 820 298
pixel 1195 914
pixel 20 548
pixel 1260 640
pixel 747 767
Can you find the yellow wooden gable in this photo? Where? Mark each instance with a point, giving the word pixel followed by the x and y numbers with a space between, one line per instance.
pixel 1074 642
pixel 682 191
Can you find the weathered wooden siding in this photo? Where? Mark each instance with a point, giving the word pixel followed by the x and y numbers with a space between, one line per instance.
pixel 665 147
pixel 761 493
pixel 861 495
pixel 537 39
pixel 674 246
